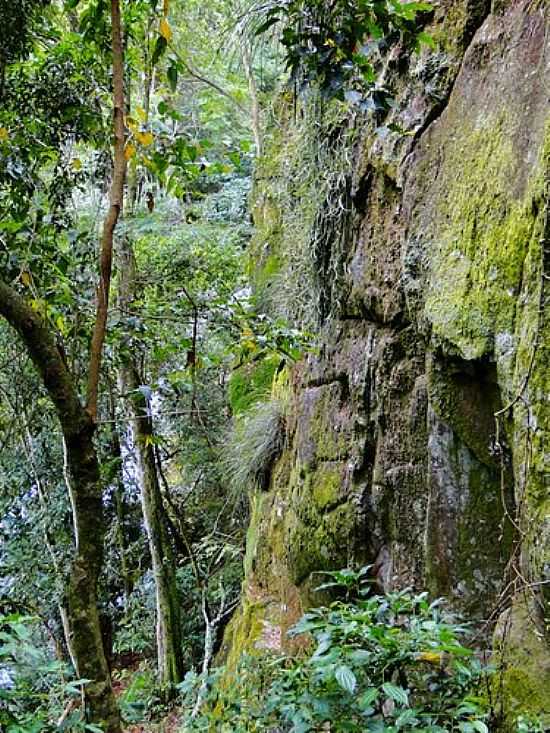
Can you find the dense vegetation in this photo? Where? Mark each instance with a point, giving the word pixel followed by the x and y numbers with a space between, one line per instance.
pixel 138 389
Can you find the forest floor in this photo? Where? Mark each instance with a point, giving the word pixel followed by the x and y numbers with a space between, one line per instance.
pixel 123 679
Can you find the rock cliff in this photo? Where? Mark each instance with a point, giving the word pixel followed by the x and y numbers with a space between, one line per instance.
pixel 417 250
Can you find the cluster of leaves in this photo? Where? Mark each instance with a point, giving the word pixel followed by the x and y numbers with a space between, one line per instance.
pixel 50 102
pixel 19 18
pixel 33 687
pixel 381 663
pixel 140 696
pixel 335 46
pixel 263 336
pixel 384 664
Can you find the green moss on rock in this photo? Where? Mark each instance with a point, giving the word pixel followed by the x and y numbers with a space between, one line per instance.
pixel 327 483
pixel 522 680
pixel 483 240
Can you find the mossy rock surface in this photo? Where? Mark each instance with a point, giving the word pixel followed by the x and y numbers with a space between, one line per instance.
pixel 522 679
pixel 432 325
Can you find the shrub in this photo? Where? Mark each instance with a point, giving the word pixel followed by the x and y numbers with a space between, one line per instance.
pixel 34 688
pixel 380 663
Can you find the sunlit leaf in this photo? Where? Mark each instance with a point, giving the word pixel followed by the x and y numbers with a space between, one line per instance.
pixel 480 726
pixel 144 138
pixel 141 113
pixel 430 657
pixel 60 323
pixel 165 30
pixel 396 693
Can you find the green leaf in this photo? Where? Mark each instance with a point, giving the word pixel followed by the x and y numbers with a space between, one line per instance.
pixel 172 74
pixel 480 726
pixel 361 656
pixel 407 717
pixel 396 693
pixel 160 47
pixel 425 39
pixel 346 678
pixel 367 698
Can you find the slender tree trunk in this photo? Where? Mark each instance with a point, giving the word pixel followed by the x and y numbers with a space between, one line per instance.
pixel 255 115
pixel 211 628
pixel 84 633
pixel 113 213
pixel 168 613
pixel 116 479
pixel 120 512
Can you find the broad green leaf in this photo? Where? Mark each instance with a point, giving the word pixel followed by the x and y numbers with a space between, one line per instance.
pixel 367 698
pixel 346 678
pixel 396 693
pixel 480 726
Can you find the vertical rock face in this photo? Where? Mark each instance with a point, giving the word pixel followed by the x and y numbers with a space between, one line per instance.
pixel 417 434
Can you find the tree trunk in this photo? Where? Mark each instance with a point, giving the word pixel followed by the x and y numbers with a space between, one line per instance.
pixel 168 613
pixel 255 114
pixel 116 479
pixel 113 213
pixel 86 642
pixel 86 498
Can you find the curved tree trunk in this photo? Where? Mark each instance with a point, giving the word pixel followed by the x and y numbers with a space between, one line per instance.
pixel 86 498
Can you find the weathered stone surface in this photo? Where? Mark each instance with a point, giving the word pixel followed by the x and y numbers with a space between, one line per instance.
pixel 418 434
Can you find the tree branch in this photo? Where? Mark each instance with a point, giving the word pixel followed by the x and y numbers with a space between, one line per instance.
pixel 42 349
pixel 204 80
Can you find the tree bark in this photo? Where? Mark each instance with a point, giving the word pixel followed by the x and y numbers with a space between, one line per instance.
pixel 168 613
pixel 116 479
pixel 113 213
pixel 86 498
